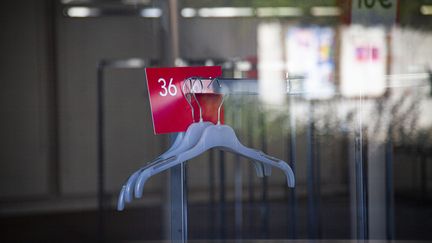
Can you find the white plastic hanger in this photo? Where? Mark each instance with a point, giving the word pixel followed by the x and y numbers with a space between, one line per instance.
pixel 215 136
pixel 186 141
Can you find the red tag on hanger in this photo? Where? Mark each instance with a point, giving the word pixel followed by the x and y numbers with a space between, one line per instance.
pixel 170 110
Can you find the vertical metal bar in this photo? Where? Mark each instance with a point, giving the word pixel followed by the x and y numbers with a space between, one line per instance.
pixel 249 132
pixel 238 184
pixel 238 198
pixel 414 176
pixel 361 202
pixel 169 31
pixel 212 215
pixel 389 188
pixel 178 207
pixel 376 159
pixel 251 188
pixel 251 192
pixel 264 196
pixel 100 151
pixel 292 161
pixel 359 174
pixel 178 200
pixel 311 175
pixel 222 201
pixel 170 52
pixel 185 202
pixel 352 182
pixel 365 148
pixel 317 193
pixel 423 176
pixel 52 11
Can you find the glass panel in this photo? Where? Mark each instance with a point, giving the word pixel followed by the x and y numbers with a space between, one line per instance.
pixel 343 97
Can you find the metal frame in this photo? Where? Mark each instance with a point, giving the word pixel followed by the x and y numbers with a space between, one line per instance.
pixel 103 64
pixel 178 201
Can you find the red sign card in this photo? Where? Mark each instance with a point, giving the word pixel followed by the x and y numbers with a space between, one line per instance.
pixel 170 110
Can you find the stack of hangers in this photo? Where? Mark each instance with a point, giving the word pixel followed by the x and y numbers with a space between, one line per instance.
pixel 198 138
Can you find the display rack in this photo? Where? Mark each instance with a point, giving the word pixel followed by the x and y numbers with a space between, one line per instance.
pixel 177 176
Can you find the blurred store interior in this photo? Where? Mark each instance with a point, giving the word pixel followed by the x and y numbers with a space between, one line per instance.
pixel 345 97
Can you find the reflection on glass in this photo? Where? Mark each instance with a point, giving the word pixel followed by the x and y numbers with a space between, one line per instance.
pixel 363 61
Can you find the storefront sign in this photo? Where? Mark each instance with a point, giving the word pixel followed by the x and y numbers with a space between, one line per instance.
pixel 374 12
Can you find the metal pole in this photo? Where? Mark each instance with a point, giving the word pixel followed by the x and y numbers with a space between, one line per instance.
pixel 359 173
pixel 100 152
pixel 311 175
pixel 170 52
pixel 389 187
pixel 361 202
pixel 178 199
pixel 292 161
pixel 170 32
pixel 212 194
pixel 238 198
pixel 238 184
pixel 317 194
pixel 251 188
pixel 222 201
pixel 52 8
pixel 423 175
pixel 265 215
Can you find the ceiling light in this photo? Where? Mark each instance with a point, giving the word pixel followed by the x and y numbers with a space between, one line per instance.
pixel 151 12
pixel 325 11
pixel 188 12
pixel 279 12
pixel 225 12
pixel 82 12
pixel 136 2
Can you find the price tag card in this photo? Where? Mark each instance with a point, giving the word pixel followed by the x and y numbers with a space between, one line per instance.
pixel 170 110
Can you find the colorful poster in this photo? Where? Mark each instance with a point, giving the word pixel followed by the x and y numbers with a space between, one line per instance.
pixel 310 58
pixel 363 61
